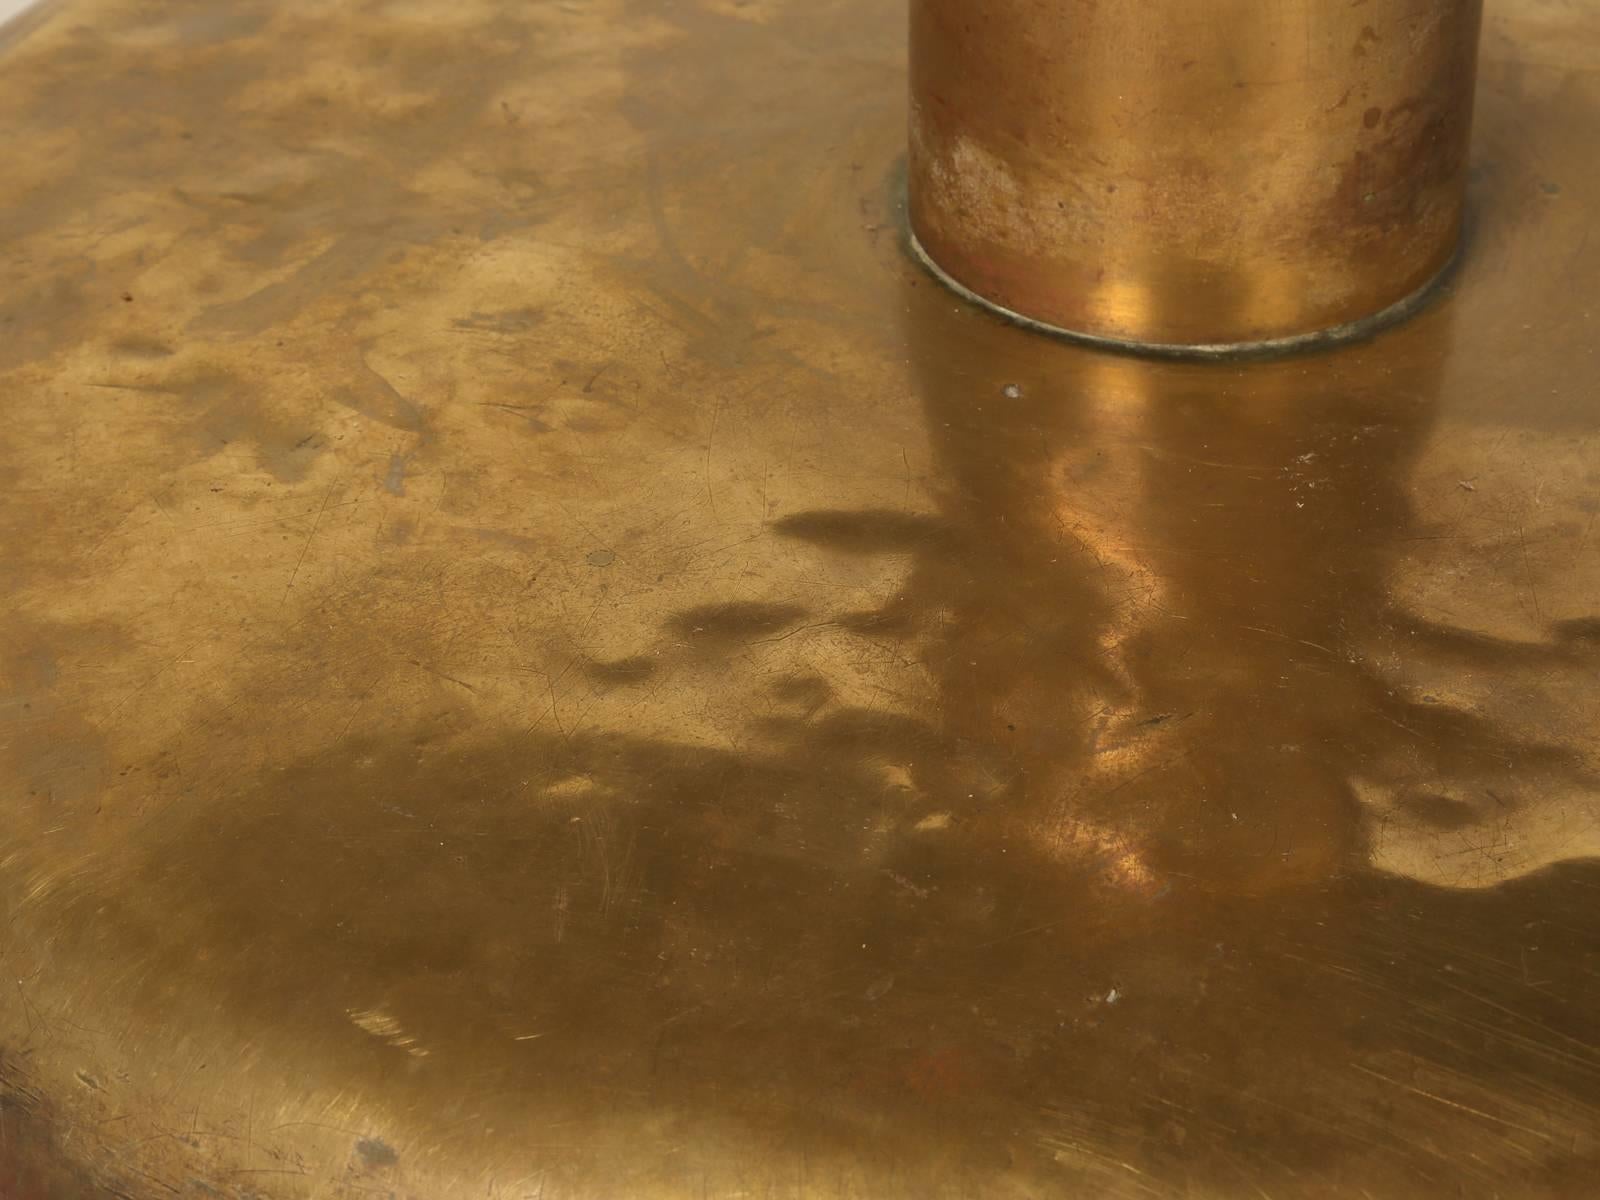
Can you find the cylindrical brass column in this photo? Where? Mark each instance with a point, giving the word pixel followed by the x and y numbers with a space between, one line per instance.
pixel 1191 175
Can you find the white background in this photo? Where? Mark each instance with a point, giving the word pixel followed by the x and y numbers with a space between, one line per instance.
pixel 10 8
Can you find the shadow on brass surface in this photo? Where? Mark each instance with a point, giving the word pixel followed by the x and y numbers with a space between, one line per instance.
pixel 544 658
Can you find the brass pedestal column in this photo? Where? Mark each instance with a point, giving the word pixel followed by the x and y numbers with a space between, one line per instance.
pixel 1191 176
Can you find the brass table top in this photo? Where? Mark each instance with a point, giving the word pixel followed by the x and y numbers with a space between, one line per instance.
pixel 542 657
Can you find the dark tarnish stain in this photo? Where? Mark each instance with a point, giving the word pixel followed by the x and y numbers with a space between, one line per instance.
pixel 1372 116
pixel 67 763
pixel 221 409
pixel 398 533
pixel 808 691
pixel 1375 186
pixel 38 1156
pixel 27 668
pixel 862 531
pixel 372 214
pixel 376 1153
pixel 734 621
pixel 394 479
pixel 371 395
pixel 515 320
pixel 892 621
pixel 1581 631
pixel 36 317
pixel 528 413
pixel 936 994
pixel 1440 812
pixel 622 670
pixel 220 23
pixel 352 255
pixel 142 348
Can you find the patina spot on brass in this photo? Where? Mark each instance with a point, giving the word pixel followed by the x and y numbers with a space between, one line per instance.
pixel 1192 178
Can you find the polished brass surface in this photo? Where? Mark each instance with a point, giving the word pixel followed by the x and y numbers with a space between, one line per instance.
pixel 1194 176
pixel 543 657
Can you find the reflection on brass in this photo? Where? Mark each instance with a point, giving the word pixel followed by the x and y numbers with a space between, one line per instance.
pixel 542 657
pixel 1192 176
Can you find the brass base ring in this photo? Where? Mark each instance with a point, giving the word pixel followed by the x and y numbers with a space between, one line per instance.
pixel 1300 343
